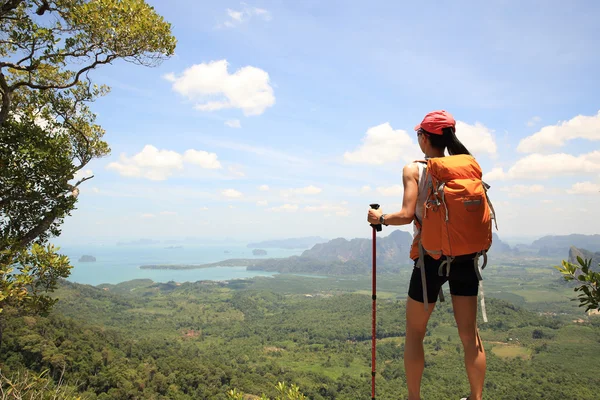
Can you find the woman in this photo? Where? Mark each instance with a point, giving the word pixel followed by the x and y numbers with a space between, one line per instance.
pixel 435 134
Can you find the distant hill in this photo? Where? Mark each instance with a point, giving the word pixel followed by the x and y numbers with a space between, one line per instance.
pixel 500 247
pixel 551 246
pixel 391 249
pixel 293 243
pixel 575 252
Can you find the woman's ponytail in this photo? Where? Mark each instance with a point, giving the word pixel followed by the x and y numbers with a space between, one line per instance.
pixel 452 143
pixel 447 140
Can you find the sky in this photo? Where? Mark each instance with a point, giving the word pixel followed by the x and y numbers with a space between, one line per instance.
pixel 278 119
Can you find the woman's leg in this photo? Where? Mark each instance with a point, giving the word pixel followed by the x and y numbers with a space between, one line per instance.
pixel 414 355
pixel 465 313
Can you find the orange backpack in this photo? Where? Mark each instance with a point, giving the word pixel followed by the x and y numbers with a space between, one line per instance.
pixel 457 216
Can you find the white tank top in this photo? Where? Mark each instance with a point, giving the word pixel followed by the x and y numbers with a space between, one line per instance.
pixel 422 194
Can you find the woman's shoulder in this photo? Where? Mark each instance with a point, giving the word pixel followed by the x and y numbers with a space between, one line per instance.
pixel 411 169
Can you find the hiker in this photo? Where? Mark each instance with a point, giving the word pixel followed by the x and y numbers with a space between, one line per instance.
pixel 435 134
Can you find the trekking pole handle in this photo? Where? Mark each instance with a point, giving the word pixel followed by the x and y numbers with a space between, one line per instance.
pixel 377 227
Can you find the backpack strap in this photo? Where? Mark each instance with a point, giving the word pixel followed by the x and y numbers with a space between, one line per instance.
pixel 421 265
pixel 446 263
pixel 486 187
pixel 478 270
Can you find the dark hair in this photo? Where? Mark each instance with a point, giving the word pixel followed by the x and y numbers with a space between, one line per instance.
pixel 447 140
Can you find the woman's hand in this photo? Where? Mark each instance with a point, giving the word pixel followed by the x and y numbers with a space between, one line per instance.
pixel 373 216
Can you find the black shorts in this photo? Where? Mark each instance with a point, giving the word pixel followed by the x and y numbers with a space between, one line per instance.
pixel 462 280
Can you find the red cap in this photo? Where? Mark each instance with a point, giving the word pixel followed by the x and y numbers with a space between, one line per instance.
pixel 435 121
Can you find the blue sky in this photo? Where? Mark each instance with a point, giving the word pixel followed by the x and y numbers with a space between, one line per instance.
pixel 284 119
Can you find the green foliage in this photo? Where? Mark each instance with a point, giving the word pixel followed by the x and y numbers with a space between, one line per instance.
pixel 47 130
pixel 588 282
pixel 28 386
pixel 283 393
pixel 35 272
pixel 34 183
pixel 204 340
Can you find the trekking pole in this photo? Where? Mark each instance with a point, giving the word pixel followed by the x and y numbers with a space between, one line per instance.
pixel 376 228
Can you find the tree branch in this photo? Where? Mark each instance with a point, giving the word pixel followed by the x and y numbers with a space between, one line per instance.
pixel 30 56
pixel 9 6
pixel 17 66
pixel 6 93
pixel 83 180
pixel 47 221
pixel 31 85
pixel 42 227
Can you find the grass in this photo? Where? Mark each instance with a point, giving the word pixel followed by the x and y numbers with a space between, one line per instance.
pixel 510 351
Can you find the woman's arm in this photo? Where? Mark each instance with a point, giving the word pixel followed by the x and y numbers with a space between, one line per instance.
pixel 410 181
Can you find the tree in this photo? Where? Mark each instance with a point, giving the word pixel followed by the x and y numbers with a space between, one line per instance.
pixel 588 280
pixel 47 130
pixel 284 392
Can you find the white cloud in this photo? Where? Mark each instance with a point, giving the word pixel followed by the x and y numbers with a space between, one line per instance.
pixel 154 164
pixel 203 209
pixel 585 188
pixel 382 144
pixel 237 170
pixel 231 193
pixel 365 189
pixel 544 166
pixel 263 188
pixel 247 89
pixel 95 190
pixel 168 213
pixel 235 15
pixel 579 127
pixel 522 190
pixel 533 121
pixel 308 190
pixel 285 207
pixel 478 139
pixel 147 215
pixel 394 190
pixel 233 123
pixel 262 203
pixel 496 174
pixel 202 158
pixel 150 163
pixel 238 17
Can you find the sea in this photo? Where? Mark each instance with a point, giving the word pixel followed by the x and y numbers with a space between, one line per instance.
pixel 115 264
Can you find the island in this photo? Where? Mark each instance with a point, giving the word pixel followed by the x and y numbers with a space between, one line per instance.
pixel 239 262
pixel 87 258
pixel 259 252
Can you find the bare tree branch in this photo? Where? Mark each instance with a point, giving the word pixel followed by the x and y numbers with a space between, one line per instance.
pixel 83 180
